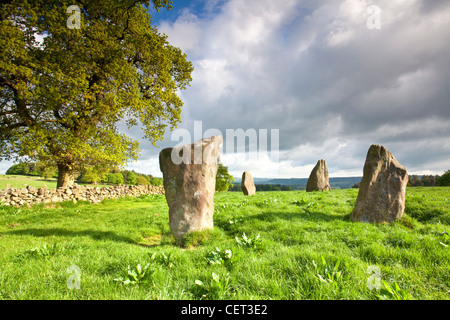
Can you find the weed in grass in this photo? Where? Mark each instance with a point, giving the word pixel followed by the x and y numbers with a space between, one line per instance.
pixel 300 202
pixel 226 206
pixel 254 242
pixel 392 292
pixel 308 207
pixel 214 288
pixel 41 252
pixel 233 222
pixel 266 202
pixel 163 259
pixel 230 224
pixel 328 273
pixel 220 257
pixel 445 239
pixel 136 275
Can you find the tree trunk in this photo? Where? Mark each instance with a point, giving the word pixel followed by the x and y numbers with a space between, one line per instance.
pixel 65 175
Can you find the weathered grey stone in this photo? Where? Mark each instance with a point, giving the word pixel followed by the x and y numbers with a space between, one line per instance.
pixel 189 174
pixel 319 178
pixel 31 189
pixel 381 196
pixel 247 184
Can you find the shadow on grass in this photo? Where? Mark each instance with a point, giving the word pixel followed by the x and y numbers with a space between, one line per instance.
pixel 312 216
pixel 94 234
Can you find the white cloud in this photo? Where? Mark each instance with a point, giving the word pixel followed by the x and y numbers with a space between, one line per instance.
pixel 184 33
pixel 315 71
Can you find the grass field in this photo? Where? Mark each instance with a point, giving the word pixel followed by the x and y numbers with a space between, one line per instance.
pixel 297 245
pixel 22 181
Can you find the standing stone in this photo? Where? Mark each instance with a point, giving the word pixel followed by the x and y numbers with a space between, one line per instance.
pixel 319 178
pixel 381 196
pixel 189 174
pixel 247 184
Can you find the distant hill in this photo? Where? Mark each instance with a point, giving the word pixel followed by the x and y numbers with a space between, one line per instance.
pixel 300 183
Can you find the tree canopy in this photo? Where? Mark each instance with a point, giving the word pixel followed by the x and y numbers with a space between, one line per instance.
pixel 444 180
pixel 224 180
pixel 62 98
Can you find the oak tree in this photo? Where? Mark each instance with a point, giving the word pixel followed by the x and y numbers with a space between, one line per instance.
pixel 65 89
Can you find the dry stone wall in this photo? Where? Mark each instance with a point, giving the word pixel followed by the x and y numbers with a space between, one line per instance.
pixel 31 195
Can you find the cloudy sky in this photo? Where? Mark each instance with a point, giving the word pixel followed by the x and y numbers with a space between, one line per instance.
pixel 334 77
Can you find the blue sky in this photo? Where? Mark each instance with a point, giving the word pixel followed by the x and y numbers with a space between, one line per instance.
pixel 203 9
pixel 315 71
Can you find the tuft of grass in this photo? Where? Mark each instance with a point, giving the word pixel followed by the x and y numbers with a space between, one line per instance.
pixel 198 238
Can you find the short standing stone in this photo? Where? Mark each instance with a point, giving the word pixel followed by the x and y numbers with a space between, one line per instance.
pixel 189 174
pixel 247 184
pixel 319 178
pixel 381 196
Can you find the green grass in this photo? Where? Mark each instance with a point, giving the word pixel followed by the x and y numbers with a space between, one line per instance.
pixel 22 181
pixel 307 249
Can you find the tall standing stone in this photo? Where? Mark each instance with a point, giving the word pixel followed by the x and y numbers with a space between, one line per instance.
pixel 381 196
pixel 189 173
pixel 319 178
pixel 247 184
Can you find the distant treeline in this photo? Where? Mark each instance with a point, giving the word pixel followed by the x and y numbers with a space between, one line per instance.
pixel 91 175
pixel 263 187
pixel 429 180
pixel 426 180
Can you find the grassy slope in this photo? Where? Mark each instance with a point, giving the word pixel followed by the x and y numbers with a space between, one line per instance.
pixel 22 181
pixel 304 236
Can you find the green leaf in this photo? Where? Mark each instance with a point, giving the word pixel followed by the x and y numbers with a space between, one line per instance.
pixel 199 283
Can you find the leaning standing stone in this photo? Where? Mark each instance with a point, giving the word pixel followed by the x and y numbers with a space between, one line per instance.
pixel 247 184
pixel 189 174
pixel 319 178
pixel 381 196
